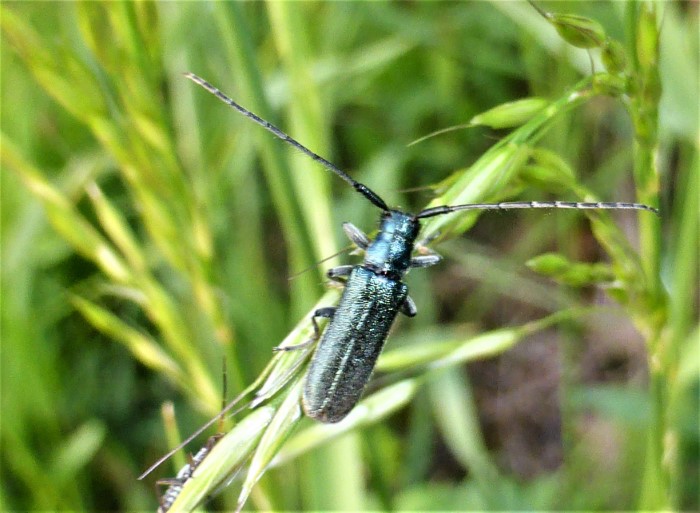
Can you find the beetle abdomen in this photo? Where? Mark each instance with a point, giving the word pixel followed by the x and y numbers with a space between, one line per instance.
pixel 351 343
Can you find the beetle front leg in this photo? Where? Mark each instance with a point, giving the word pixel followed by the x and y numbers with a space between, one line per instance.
pixel 357 236
pixel 426 258
pixel 164 498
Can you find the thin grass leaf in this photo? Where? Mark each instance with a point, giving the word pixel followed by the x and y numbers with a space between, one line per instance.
pixel 117 228
pixel 144 348
pixel 306 121
pixel 283 421
pixel 241 57
pixel 172 432
pixel 65 217
pixel 459 426
pixel 78 450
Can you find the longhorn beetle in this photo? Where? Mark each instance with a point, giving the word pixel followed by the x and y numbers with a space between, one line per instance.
pixel 374 293
pixel 175 484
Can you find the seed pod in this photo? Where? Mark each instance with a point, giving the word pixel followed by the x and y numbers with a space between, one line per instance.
pixel 647 39
pixel 578 31
pixel 510 114
pixel 613 56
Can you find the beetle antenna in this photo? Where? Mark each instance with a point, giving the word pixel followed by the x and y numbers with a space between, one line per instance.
pixel 368 193
pixel 510 205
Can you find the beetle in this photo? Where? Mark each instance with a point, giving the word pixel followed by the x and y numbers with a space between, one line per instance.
pixel 374 292
pixel 176 483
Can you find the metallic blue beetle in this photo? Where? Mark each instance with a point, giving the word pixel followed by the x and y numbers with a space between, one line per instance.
pixel 175 484
pixel 374 293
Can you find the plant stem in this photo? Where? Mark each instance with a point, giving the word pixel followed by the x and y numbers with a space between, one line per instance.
pixel 644 105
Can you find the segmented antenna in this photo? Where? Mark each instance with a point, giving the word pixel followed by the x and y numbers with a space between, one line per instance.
pixel 510 205
pixel 376 200
pixel 368 193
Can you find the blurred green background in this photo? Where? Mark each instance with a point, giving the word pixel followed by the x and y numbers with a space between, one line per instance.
pixel 148 232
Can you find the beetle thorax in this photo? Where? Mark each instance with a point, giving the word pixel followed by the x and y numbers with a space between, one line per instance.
pixel 390 252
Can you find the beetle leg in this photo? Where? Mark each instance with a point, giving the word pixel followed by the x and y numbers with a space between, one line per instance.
pixel 357 236
pixel 408 308
pixel 426 256
pixel 427 260
pixel 337 274
pixel 326 312
pixel 169 482
pixel 424 242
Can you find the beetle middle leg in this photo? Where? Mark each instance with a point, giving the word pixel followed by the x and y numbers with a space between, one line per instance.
pixel 409 308
pixel 336 275
pixel 327 313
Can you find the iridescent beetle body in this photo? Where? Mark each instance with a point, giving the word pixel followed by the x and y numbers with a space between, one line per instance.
pixel 373 296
